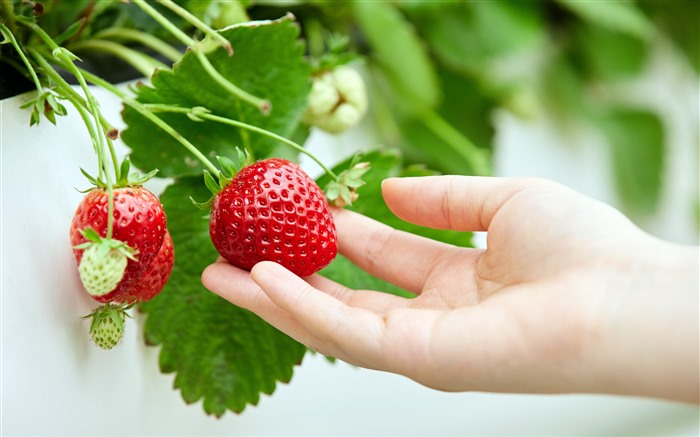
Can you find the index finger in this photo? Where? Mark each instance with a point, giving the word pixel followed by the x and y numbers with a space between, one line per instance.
pixel 463 203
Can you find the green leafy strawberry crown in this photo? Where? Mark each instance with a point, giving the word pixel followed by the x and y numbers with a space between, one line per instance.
pixel 124 178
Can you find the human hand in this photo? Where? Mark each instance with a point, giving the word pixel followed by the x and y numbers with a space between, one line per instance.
pixel 564 299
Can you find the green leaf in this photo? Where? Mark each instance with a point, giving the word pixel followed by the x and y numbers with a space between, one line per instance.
pixel 268 62
pixel 220 353
pixel 620 16
pixel 610 55
pixel 401 53
pixel 679 20
pixel 637 145
pixel 370 203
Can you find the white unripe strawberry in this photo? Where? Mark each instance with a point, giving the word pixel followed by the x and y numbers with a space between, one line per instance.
pixel 101 269
pixel 338 100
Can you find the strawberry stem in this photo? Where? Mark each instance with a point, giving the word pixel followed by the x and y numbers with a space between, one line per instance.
pixel 9 36
pixel 143 110
pixel 143 63
pixel 457 141
pixel 8 14
pixel 100 142
pixel 203 113
pixel 148 40
pixel 196 22
pixel 261 104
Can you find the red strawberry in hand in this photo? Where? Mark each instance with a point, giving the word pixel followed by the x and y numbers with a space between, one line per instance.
pixel 139 222
pixel 273 211
pixel 148 285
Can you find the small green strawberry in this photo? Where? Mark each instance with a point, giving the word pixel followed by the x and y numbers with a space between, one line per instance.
pixel 103 263
pixel 107 327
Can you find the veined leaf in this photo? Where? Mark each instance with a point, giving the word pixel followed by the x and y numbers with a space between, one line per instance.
pixel 224 355
pixel 268 63
pixel 384 164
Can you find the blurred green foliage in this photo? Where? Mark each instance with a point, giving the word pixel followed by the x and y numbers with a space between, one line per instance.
pixel 439 69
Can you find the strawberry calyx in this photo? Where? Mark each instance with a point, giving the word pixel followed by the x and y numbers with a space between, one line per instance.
pixel 103 263
pixel 343 190
pixel 229 169
pixel 124 177
pixel 107 325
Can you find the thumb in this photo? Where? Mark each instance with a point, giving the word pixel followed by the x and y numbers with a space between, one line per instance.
pixel 464 203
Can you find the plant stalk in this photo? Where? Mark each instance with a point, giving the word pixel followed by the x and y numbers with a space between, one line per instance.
pixel 196 22
pixel 143 110
pixel 458 142
pixel 10 36
pixel 140 61
pixel 148 40
pixel 65 57
pixel 8 14
pixel 259 103
pixel 204 114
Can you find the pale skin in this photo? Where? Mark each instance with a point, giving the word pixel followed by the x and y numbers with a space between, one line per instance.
pixel 569 296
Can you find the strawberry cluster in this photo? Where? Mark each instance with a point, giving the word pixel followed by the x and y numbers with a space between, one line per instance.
pixel 131 265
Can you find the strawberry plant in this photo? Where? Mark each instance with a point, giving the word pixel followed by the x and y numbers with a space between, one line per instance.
pixel 227 95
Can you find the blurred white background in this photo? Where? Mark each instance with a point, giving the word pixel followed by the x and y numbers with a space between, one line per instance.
pixel 55 382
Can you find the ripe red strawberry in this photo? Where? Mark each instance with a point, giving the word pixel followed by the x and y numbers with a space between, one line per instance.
pixel 148 285
pixel 273 211
pixel 139 222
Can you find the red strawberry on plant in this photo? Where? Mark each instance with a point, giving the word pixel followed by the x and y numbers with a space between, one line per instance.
pixel 273 211
pixel 149 284
pixel 139 223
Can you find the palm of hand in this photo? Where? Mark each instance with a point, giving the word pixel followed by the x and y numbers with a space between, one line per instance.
pixel 503 301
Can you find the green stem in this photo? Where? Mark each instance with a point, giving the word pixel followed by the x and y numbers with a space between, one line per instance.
pixel 8 14
pixel 146 39
pixel 170 27
pixel 66 58
pixel 196 22
pixel 8 34
pixel 458 142
pixel 205 115
pixel 143 110
pixel 75 98
pixel 143 63
pixel 261 104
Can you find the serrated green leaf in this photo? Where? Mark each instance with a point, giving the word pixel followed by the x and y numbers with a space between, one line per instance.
pixel 268 62
pixel 221 354
pixel 637 145
pixel 370 203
